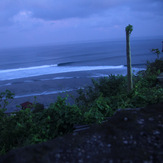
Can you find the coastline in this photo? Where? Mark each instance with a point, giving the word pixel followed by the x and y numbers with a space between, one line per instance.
pixel 48 87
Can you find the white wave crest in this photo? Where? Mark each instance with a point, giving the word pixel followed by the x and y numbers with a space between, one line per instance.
pixel 27 68
pixel 44 93
pixel 48 69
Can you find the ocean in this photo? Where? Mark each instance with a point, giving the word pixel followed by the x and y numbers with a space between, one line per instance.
pixel 53 69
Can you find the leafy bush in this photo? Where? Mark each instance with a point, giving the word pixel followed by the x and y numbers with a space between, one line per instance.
pixel 107 87
pixel 155 67
pixel 4 99
pixel 27 127
pixel 98 111
pixel 60 117
pixel 38 107
pixel 114 89
pixel 15 129
pixel 157 52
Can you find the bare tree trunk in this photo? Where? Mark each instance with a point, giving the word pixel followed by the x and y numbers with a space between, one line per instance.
pixel 129 71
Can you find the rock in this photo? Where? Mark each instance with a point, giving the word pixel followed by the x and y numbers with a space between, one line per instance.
pixel 113 141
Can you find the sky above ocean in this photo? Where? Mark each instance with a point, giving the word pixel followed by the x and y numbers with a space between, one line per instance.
pixel 42 22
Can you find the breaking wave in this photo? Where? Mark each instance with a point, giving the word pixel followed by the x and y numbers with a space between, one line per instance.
pixel 18 73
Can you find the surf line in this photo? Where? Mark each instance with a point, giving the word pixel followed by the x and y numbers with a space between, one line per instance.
pixel 46 93
pixel 27 68
pixel 48 69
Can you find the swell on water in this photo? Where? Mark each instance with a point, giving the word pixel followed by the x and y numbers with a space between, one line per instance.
pixel 27 68
pixel 45 93
pixel 65 63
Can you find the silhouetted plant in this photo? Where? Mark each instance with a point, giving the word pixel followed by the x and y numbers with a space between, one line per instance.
pixel 5 97
pixel 157 52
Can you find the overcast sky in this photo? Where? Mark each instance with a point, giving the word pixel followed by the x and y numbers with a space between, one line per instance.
pixel 36 22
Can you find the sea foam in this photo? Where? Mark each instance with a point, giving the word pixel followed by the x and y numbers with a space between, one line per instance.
pixel 45 93
pixel 18 73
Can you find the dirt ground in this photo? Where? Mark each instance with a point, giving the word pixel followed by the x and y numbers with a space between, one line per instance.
pixel 132 135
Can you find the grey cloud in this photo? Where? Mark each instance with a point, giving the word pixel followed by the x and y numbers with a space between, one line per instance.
pixel 8 9
pixel 54 10
pixel 64 9
pixel 148 6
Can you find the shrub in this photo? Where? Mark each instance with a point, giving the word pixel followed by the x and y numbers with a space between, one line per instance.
pixel 113 88
pixel 97 111
pixel 27 127
pixel 155 67
pixel 15 129
pixel 157 52
pixel 5 97
pixel 107 87
pixel 38 107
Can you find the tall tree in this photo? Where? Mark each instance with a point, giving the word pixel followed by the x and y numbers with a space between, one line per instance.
pixel 129 29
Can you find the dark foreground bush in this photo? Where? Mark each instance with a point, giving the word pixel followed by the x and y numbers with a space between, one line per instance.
pixel 156 66
pixel 26 127
pixel 107 87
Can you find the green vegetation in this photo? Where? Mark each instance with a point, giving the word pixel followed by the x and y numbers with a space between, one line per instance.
pixel 93 105
pixel 157 52
pixel 4 98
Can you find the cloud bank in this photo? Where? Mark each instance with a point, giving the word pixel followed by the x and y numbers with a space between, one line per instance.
pixel 72 20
